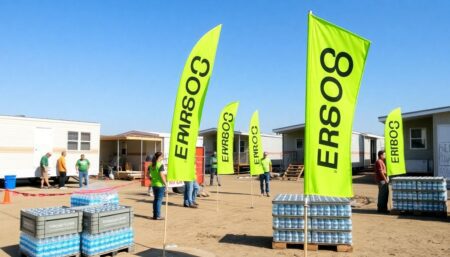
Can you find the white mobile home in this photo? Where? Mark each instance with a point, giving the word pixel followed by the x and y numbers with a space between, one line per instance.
pixel 270 144
pixel 427 141
pixel 133 148
pixel 24 140
pixel 364 146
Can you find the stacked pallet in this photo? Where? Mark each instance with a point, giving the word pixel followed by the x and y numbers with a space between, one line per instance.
pixel 419 194
pixel 107 229
pixel 50 232
pixel 329 221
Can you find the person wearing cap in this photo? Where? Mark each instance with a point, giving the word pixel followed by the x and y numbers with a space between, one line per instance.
pixel 44 170
pixel 264 179
pixel 213 162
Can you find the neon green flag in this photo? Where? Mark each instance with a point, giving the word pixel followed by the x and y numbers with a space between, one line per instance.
pixel 335 64
pixel 189 105
pixel 393 141
pixel 225 139
pixel 255 146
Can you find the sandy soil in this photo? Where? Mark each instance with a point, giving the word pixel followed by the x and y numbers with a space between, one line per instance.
pixel 238 230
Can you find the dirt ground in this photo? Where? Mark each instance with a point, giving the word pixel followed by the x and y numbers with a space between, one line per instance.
pixel 238 230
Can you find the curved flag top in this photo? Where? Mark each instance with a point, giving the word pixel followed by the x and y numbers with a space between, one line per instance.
pixel 335 65
pixel 225 139
pixel 189 105
pixel 393 141
pixel 254 146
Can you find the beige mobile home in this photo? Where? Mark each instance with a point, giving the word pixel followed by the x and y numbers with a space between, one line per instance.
pixel 364 146
pixel 427 141
pixel 24 140
pixel 270 144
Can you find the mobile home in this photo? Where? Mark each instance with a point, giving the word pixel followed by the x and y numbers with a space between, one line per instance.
pixel 134 147
pixel 24 140
pixel 270 143
pixel 364 146
pixel 427 141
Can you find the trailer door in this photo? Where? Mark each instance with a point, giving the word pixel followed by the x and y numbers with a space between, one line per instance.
pixel 43 143
pixel 443 138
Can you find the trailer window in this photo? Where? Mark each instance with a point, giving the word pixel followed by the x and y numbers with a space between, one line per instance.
pixel 72 140
pixel 418 138
pixel 299 144
pixel 85 141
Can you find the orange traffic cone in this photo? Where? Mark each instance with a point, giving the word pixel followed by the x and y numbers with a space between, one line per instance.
pixel 6 197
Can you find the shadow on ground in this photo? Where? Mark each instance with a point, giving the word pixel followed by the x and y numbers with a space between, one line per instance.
pixel 12 250
pixel 256 241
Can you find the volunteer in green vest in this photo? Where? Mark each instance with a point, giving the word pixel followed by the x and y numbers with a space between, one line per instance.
pixel 158 176
pixel 213 163
pixel 82 168
pixel 44 170
pixel 264 179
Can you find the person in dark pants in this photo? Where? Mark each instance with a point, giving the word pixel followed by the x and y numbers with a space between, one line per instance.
pixel 264 179
pixel 62 170
pixel 213 162
pixel 158 184
pixel 383 183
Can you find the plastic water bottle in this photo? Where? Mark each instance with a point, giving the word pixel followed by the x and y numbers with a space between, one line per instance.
pixel 313 210
pixel 281 223
pixel 342 238
pixel 295 223
pixel 321 237
pixel 335 224
pixel 300 210
pixel 314 224
pixel 315 237
pixel 335 238
pixel 296 237
pixel 287 209
pixel 320 211
pixel 327 210
pixel 282 236
pixel 281 208
pixel 327 224
pixel 275 209
pixel 289 237
pixel 276 236
pixel 288 223
pixel 301 223
pixel 276 222
pixel 328 237
pixel 321 224
pixel 333 210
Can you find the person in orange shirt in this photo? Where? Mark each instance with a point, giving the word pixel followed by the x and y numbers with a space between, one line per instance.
pixel 61 164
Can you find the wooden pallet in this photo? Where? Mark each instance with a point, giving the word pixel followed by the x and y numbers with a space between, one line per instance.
pixel 419 213
pixel 315 247
pixel 25 254
pixel 293 172
pixel 128 249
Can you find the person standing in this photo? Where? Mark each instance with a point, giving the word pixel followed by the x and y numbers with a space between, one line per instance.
pixel 44 170
pixel 264 179
pixel 383 183
pixel 158 184
pixel 82 168
pixel 213 163
pixel 61 164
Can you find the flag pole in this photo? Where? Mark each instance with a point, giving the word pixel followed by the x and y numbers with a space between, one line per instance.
pixel 305 229
pixel 217 197
pixel 251 189
pixel 165 222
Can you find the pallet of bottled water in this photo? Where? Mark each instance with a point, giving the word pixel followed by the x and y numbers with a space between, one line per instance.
pixel 329 219
pixel 50 222
pixel 423 194
pixel 58 246
pixel 84 199
pixel 98 219
pixel 107 242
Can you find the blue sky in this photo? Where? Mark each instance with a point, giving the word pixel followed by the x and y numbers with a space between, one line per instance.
pixel 119 62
